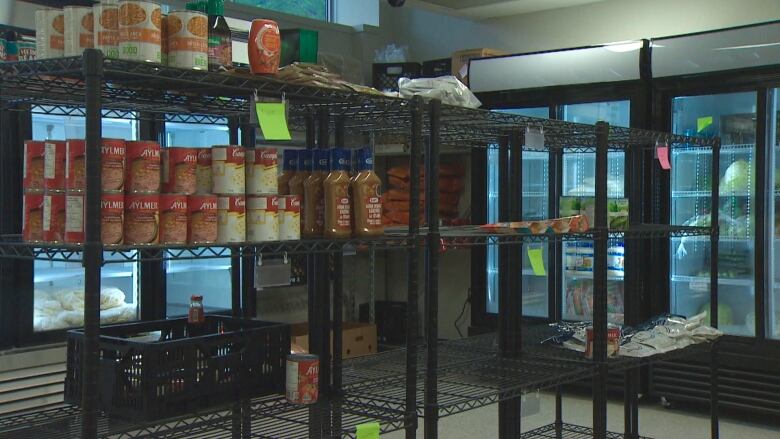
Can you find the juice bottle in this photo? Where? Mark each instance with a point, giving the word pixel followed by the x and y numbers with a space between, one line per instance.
pixel 289 169
pixel 313 197
pixel 366 200
pixel 338 205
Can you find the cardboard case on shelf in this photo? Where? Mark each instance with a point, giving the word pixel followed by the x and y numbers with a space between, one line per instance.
pixel 358 338
pixel 460 60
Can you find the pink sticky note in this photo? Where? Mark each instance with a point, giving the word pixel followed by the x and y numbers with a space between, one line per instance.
pixel 663 157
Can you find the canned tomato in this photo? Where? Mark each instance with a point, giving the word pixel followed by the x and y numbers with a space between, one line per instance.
pixel 231 218
pixel 202 225
pixel 54 217
pixel 178 170
pixel 33 165
pixel 142 219
pixel 106 29
pixel 74 217
pixel 203 171
pixel 32 217
pixel 188 33
pixel 290 217
pixel 303 375
pixel 143 167
pixel 54 165
pixel 112 215
pixel 262 222
pixel 49 33
pixel 140 26
pixel 173 219
pixel 78 29
pixel 112 164
pixel 261 171
pixel 227 169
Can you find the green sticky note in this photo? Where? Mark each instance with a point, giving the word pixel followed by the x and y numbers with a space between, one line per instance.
pixel 369 430
pixel 537 261
pixel 273 120
pixel 702 123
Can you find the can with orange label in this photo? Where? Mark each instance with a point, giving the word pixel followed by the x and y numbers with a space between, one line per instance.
pixel 106 28
pixel 142 219
pixel 261 171
pixel 188 33
pixel 202 219
pixel 32 217
pixel 112 164
pixel 74 217
pixel 173 219
pixel 112 215
pixel 203 171
pixel 33 166
pixel 54 165
pixel 54 217
pixel 140 31
pixel 49 33
pixel 179 166
pixel 143 167
pixel 264 47
pixel 303 376
pixel 78 29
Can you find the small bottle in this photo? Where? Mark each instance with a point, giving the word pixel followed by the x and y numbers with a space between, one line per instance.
pixel 338 204
pixel 313 197
pixel 196 317
pixel 366 197
pixel 220 41
pixel 289 169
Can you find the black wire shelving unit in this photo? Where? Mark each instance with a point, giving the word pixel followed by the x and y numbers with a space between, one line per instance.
pixel 428 378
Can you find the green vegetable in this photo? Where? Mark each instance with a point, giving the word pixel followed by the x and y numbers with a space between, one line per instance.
pixel 737 178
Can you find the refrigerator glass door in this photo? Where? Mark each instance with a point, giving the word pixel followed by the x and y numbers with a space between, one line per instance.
pixel 731 116
pixel 58 301
pixel 773 220
pixel 578 197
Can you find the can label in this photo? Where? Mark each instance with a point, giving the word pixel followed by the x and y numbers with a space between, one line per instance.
pixel 262 223
pixel 202 221
pixel 33 165
pixel 49 33
pixel 261 171
pixel 79 27
pixel 112 167
pixel 54 165
pixel 188 40
pixel 179 167
pixel 32 217
pixel 290 217
pixel 231 219
pixel 112 215
pixel 203 171
pixel 106 29
pixel 143 167
pixel 303 374
pixel 74 218
pixel 27 50
pixel 173 219
pixel 142 219
pixel 373 210
pixel 54 217
pixel 140 31
pixel 227 169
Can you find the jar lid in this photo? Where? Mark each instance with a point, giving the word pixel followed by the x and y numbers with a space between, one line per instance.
pixel 320 159
pixel 304 160
pixel 364 159
pixel 196 297
pixel 340 159
pixel 290 160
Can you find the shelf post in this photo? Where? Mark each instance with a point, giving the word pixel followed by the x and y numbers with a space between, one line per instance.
pixel 338 312
pixel 600 284
pixel 248 291
pixel 715 238
pixel 323 302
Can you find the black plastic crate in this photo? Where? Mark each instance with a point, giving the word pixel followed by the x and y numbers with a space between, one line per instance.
pixel 386 75
pixel 165 372
pixel 390 319
pixel 437 67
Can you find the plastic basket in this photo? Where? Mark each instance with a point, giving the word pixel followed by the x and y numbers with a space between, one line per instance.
pixel 386 75
pixel 437 67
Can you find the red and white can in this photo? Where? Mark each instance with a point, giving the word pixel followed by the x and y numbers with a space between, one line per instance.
pixel 262 223
pixel 303 376
pixel 203 171
pixel 74 217
pixel 227 170
pixel 112 218
pixel 54 165
pixel 202 219
pixel 143 167
pixel 112 164
pixel 179 167
pixel 173 219
pixel 32 217
pixel 75 164
pixel 54 217
pixel 289 217
pixel 33 166
pixel 261 171
pixel 231 218
pixel 142 219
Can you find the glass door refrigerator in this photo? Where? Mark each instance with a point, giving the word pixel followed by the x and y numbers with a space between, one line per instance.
pixel 773 218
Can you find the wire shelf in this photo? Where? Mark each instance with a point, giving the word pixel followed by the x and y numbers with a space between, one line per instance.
pixel 566 431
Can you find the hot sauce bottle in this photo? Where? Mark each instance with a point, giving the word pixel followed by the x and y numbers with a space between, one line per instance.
pixel 313 197
pixel 289 169
pixel 195 317
pixel 366 196
pixel 338 203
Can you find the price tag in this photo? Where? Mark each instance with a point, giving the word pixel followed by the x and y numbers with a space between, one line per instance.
pixel 369 430
pixel 537 260
pixel 663 156
pixel 273 120
pixel 272 273
pixel 534 138
pixel 702 123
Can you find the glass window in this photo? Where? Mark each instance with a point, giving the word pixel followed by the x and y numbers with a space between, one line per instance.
pixel 773 218
pixel 317 9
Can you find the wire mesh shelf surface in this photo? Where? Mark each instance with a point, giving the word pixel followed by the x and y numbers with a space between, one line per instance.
pixel 566 431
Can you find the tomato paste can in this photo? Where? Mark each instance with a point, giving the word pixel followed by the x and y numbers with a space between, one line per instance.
pixel 227 170
pixel 49 33
pixel 203 171
pixel 112 164
pixel 54 217
pixel 188 33
pixel 303 375
pixel 613 341
pixel 112 216
pixel 32 217
pixel 290 217
pixel 173 219
pixel 74 217
pixel 179 167
pixel 143 167
pixel 264 47
pixel 140 31
pixel 75 164
pixel 33 165
pixel 79 29
pixel 261 171
pixel 142 219
pixel 262 222
pixel 54 165
pixel 231 218
pixel 106 27
pixel 202 219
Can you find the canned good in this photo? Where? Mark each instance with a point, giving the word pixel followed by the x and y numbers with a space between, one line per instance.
pixel 261 171
pixel 262 222
pixel 613 341
pixel 142 219
pixel 143 167
pixel 173 219
pixel 32 217
pixel 54 165
pixel 290 217
pixel 26 47
pixel 112 159
pixel 227 169
pixel 140 31
pixel 78 29
pixel 3 56
pixel 231 218
pixel 74 217
pixel 178 170
pixel 112 216
pixel 164 40
pixel 54 217
pixel 106 29
pixel 49 33
pixel 203 171
pixel 188 33
pixel 202 221
pixel 33 165
pixel 303 375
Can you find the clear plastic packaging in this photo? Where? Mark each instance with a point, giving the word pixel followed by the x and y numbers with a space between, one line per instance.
pixel 446 88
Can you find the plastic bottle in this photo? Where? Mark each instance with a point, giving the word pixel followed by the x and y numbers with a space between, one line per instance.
pixel 220 42
pixel 338 203
pixel 366 196
pixel 303 172
pixel 313 196
pixel 289 169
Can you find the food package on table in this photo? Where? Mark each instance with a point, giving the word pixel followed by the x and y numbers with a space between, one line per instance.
pixel 448 89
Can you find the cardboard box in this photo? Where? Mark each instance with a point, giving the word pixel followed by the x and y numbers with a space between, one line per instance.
pixel 358 338
pixel 460 61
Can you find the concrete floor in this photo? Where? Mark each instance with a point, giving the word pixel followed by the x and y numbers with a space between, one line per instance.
pixel 654 422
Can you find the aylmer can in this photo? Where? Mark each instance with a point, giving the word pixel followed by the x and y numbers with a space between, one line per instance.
pixel 262 222
pixel 33 165
pixel 173 219
pixel 54 217
pixel 112 164
pixel 202 219
pixel 203 171
pixel 140 31
pixel 54 165
pixel 303 375
pixel 32 217
pixel 142 219
pixel 74 217
pixel 106 28
pixel 261 171
pixel 188 33
pixel 227 170
pixel 49 33
pixel 231 218
pixel 112 217
pixel 290 217
pixel 179 166
pixel 143 167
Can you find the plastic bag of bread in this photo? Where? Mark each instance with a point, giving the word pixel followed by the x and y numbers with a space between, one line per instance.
pixel 111 297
